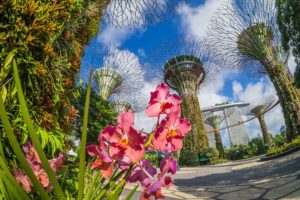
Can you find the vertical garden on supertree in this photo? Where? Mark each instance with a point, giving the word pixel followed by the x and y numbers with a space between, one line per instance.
pixel 46 40
pixel 185 73
pixel 244 34
pixel 258 110
pixel 215 119
pixel 120 72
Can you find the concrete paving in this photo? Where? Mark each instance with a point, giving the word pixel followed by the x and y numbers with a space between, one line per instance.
pixel 241 180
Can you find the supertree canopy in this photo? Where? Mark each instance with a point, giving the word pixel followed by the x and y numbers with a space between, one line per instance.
pixel 131 13
pixel 135 101
pixel 214 120
pixel 244 34
pixel 258 110
pixel 185 73
pixel 121 72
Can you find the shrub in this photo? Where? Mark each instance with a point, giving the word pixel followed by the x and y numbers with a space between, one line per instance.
pixel 237 152
pixel 211 153
pixel 284 147
pixel 188 158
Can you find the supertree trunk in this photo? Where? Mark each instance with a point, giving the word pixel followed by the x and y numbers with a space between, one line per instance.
pixel 266 135
pixel 197 139
pixel 219 144
pixel 288 96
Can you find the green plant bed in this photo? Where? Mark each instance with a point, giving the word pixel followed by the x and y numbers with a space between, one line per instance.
pixel 219 161
pixel 285 147
pixel 188 158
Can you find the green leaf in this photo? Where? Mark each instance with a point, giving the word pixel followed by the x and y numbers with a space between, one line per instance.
pixel 130 195
pixel 34 138
pixel 3 93
pixel 19 153
pixel 82 150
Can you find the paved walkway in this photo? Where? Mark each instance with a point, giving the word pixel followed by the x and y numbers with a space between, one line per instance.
pixel 242 180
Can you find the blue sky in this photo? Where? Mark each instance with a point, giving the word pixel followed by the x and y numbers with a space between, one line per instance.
pixel 191 20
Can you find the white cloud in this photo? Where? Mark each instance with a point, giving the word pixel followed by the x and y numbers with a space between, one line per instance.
pixel 210 93
pixel 292 64
pixel 114 36
pixel 195 20
pixel 255 93
pixel 141 120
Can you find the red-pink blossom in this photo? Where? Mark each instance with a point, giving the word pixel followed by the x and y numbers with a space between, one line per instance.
pixel 155 189
pixel 168 165
pixel 23 180
pixel 102 162
pixel 57 162
pixel 168 136
pixel 125 143
pixel 142 173
pixel 161 101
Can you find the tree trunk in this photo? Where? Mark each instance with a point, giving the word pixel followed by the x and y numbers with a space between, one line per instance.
pixel 197 139
pixel 219 144
pixel 289 98
pixel 265 133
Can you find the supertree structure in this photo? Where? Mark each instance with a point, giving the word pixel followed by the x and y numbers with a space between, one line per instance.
pixel 214 120
pixel 121 72
pixel 185 73
pixel 135 101
pixel 244 34
pixel 131 13
pixel 258 110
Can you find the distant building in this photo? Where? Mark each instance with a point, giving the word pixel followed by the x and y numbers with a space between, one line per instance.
pixel 237 134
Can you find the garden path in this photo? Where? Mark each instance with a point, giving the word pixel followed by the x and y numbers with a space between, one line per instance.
pixel 241 180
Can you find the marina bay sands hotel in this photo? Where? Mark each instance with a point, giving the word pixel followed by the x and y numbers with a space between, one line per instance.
pixel 237 134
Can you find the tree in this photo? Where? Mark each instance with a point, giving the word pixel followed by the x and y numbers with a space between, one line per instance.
pixel 288 19
pixel 100 114
pixel 244 35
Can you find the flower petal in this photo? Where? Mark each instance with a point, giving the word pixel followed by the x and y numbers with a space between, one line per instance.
pixel 126 120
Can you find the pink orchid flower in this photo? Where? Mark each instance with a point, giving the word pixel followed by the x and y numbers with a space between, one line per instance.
pixel 102 162
pixel 168 136
pixel 142 173
pixel 56 163
pixel 23 180
pixel 155 189
pixel 126 143
pixel 168 165
pixel 31 154
pixel 161 101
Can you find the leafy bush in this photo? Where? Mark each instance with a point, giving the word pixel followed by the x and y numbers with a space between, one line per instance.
pixel 279 139
pixel 188 158
pixel 153 156
pixel 211 153
pixel 284 147
pixel 257 146
pixel 237 152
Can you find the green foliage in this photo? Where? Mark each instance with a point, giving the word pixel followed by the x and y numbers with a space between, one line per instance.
pixel 280 139
pixel 47 39
pixel 211 153
pixel 153 156
pixel 91 185
pixel 257 146
pixel 188 158
pixel 288 20
pixel 237 152
pixel 276 150
pixel 100 114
